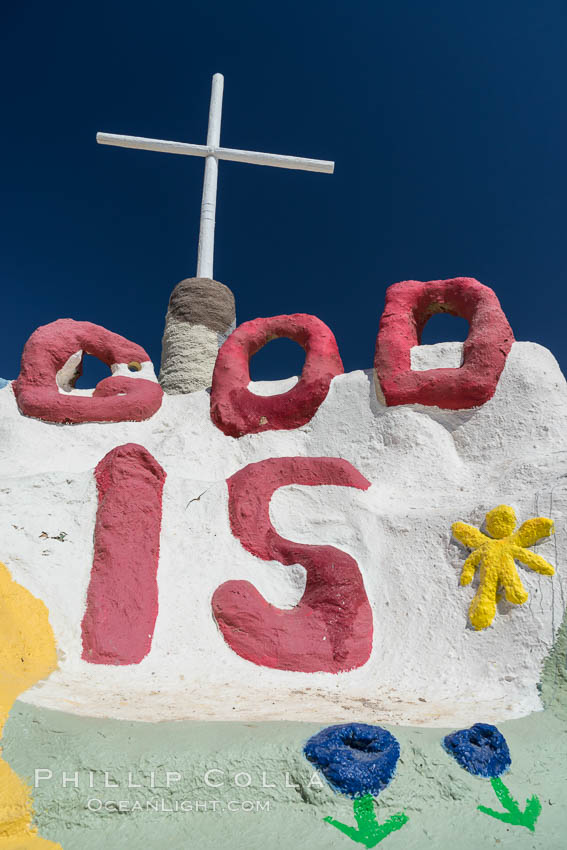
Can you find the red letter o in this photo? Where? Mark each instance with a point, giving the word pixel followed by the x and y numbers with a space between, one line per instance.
pixel 237 411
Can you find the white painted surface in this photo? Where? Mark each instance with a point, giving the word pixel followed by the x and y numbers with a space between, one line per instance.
pixel 442 355
pixel 267 388
pixel 188 356
pixel 428 468
pixel 213 152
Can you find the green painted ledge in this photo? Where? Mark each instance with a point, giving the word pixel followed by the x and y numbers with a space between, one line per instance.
pixel 438 796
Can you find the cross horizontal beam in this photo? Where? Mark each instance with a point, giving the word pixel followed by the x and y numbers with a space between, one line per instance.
pixel 254 157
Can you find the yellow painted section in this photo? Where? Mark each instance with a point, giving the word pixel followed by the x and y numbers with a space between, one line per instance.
pixel 496 555
pixel 27 654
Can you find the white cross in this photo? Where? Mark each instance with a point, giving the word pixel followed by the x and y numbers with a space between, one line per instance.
pixel 213 153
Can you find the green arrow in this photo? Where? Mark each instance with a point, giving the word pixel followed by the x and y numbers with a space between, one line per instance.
pixel 514 814
pixel 368 831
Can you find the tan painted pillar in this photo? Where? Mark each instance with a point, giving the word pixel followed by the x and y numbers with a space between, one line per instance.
pixel 200 316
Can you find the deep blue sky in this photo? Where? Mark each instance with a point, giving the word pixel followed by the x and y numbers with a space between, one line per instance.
pixel 446 119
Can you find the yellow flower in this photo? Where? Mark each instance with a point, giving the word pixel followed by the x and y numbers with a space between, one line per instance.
pixel 496 555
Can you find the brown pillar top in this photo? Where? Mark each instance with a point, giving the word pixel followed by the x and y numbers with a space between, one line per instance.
pixel 203 301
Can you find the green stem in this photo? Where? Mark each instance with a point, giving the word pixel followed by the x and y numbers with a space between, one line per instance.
pixel 513 814
pixel 368 831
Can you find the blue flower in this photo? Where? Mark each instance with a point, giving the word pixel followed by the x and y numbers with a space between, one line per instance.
pixel 355 758
pixel 482 750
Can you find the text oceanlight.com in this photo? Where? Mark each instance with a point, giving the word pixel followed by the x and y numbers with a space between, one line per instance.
pixel 160 804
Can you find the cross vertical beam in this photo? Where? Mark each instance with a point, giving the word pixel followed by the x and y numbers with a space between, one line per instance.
pixel 205 254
